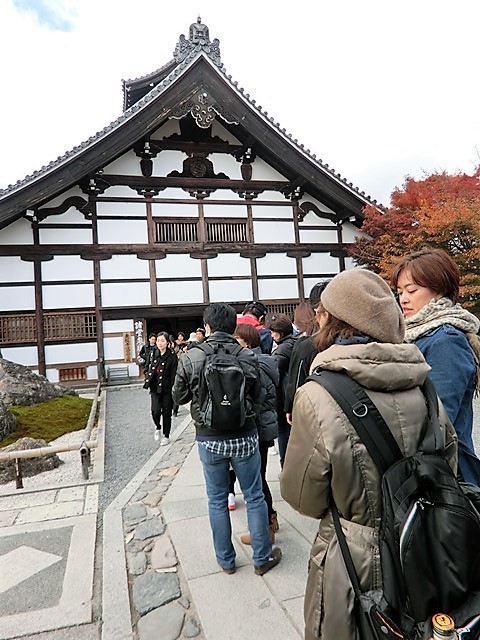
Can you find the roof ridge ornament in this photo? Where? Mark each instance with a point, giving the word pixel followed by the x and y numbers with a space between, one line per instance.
pixel 198 40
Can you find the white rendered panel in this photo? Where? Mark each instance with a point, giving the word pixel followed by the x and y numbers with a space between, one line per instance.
pixel 92 373
pixel 67 236
pixel 225 163
pixel 138 209
pixel 230 290
pixel 177 265
pixel 320 263
pixel 13 269
pixel 262 171
pixel 19 232
pixel 350 263
pixel 277 289
pixel 179 292
pixel 222 133
pixel 126 294
pixel 13 298
pixel 52 375
pixel 115 326
pixel 28 356
pixel 71 193
pixel 67 268
pixel 125 231
pixel 311 217
pixel 124 266
pixel 122 191
pixel 66 353
pixel 276 264
pixel 350 232
pixel 59 296
pixel 166 130
pixel 225 211
pixel 113 348
pixel 177 210
pixel 168 161
pixel 71 216
pixel 228 264
pixel 317 236
pixel 273 232
pixel 128 164
pixel 273 211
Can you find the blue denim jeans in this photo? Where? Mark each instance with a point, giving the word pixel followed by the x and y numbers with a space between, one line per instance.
pixel 217 477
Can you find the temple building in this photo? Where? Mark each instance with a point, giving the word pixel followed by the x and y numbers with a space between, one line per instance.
pixel 193 195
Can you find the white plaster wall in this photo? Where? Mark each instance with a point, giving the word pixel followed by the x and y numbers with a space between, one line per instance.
pixel 225 211
pixel 277 289
pixel 219 130
pixel 169 128
pixel 70 296
pixel 350 263
pixel 320 263
pixel 311 217
pixel 276 264
pixel 229 291
pixel 58 200
pixel 138 209
pixel 67 268
pixel 225 163
pixel 52 375
pixel 13 269
pixel 179 292
pixel 271 195
pixel 71 216
pixel 19 232
pixel 13 298
pixel 67 236
pixel 113 348
pixel 123 266
pixel 315 236
pixel 263 171
pixel 126 294
pixel 230 264
pixel 177 265
pixel 114 326
pixel 180 210
pixel 27 356
pixel 270 233
pixel 167 161
pixel 122 191
pixel 92 373
pixel 128 164
pixel 66 353
pixel 128 232
pixel 273 211
pixel 350 232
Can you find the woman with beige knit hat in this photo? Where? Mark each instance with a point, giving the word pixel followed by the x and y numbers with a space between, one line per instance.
pixel 362 335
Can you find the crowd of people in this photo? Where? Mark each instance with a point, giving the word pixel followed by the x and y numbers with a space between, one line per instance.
pixel 387 339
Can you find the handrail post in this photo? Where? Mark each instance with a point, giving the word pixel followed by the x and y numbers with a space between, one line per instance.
pixel 18 474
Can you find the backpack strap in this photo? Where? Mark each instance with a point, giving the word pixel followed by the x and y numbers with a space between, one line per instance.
pixel 364 416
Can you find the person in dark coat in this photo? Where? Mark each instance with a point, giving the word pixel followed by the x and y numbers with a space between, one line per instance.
pixel 281 329
pixel 266 418
pixel 160 371
pixel 147 349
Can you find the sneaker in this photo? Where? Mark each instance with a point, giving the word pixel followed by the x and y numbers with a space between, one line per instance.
pixel 270 563
pixel 157 434
pixel 165 441
pixel 231 501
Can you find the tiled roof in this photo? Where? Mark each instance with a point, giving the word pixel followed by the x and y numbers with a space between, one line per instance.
pixel 185 53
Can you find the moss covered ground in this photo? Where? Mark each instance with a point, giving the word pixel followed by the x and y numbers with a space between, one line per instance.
pixel 50 420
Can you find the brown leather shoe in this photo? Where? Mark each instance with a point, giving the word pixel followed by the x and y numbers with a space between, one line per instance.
pixel 229 570
pixel 274 559
pixel 274 522
pixel 245 537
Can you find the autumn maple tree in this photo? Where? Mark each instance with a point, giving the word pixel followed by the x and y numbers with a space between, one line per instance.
pixel 443 210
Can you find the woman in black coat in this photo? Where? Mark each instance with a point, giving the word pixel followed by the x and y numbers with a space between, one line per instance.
pixel 160 371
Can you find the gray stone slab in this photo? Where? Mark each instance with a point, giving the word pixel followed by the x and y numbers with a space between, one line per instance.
pixel 53 511
pixel 308 527
pixel 21 501
pixel 152 590
pixel 7 518
pixel 184 509
pixel 168 618
pixel 149 529
pixel 74 605
pixel 244 607
pixel 163 554
pixel 294 607
pixel 177 493
pixel 192 540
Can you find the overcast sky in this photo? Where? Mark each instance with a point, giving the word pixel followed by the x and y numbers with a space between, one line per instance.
pixel 378 89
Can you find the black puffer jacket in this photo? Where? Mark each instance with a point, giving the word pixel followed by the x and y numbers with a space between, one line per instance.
pixel 267 422
pixel 282 355
pixel 160 378
pixel 190 369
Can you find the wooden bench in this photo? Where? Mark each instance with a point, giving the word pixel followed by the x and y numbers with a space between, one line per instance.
pixel 118 375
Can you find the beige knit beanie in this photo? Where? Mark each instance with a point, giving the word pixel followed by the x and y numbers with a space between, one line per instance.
pixel 363 300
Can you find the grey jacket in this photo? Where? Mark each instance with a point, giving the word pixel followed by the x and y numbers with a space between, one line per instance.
pixel 186 387
pixel 326 457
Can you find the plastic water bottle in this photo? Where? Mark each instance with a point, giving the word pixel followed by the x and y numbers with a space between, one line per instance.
pixel 443 627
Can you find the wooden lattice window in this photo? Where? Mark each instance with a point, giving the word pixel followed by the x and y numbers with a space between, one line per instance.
pixel 286 308
pixel 58 326
pixel 217 230
pixel 226 230
pixel 72 374
pixel 176 230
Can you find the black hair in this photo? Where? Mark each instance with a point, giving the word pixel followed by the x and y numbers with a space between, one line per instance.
pixel 220 317
pixel 152 335
pixel 316 292
pixel 257 309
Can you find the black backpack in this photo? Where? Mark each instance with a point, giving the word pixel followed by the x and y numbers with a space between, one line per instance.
pixel 429 535
pixel 222 388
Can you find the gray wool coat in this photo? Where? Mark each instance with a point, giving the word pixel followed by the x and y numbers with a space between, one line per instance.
pixel 325 457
